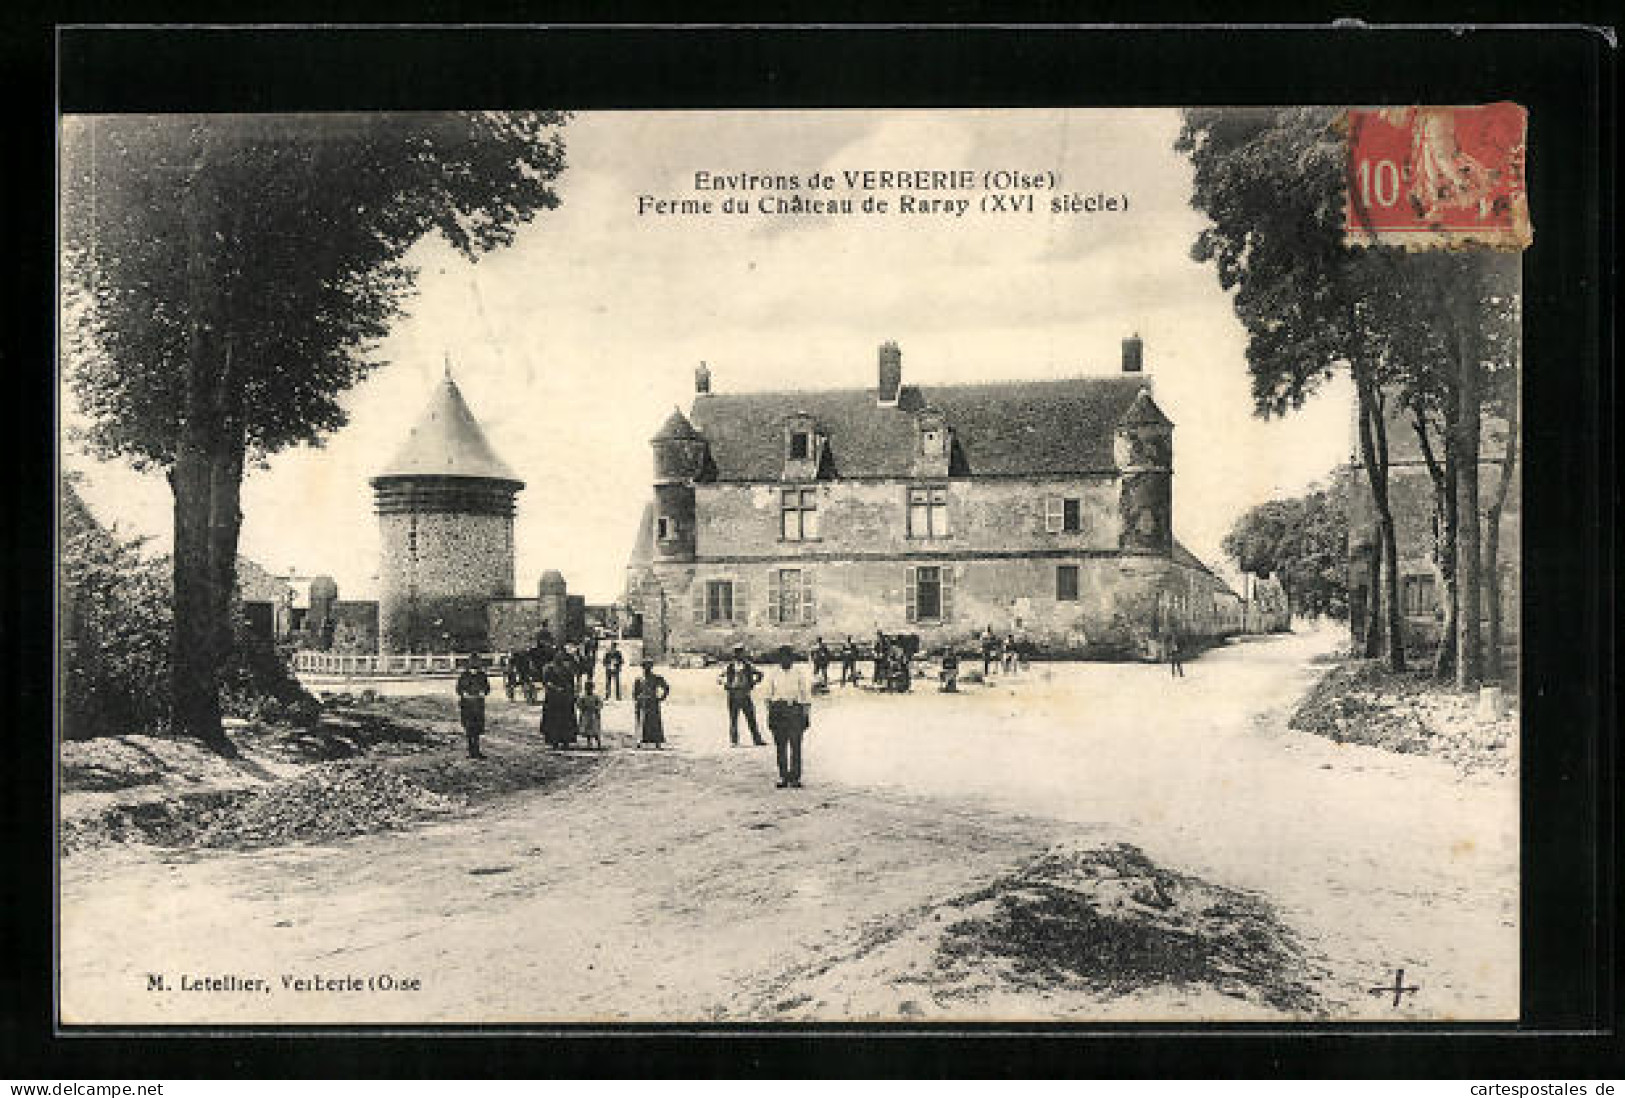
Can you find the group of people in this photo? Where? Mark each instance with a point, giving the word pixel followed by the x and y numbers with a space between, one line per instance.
pixel 788 693
pixel 572 708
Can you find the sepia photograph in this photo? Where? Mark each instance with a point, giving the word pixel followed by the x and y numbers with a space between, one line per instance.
pixel 789 566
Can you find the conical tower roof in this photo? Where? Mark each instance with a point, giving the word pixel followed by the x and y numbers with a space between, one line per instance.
pixel 447 441
pixel 676 427
pixel 1144 410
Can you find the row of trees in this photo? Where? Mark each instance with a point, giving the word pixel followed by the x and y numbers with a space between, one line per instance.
pixel 226 279
pixel 1303 543
pixel 1431 339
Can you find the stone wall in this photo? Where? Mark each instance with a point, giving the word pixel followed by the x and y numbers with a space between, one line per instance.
pixel 355 626
pixel 1411 500
pixel 1121 601
pixel 438 571
pixel 871 517
pixel 511 624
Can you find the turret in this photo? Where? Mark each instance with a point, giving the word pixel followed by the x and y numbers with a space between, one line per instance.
pixel 324 594
pixel 445 514
pixel 1143 445
pixel 553 602
pixel 680 458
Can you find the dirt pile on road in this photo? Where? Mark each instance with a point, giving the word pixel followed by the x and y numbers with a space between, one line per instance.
pixel 331 801
pixel 1362 702
pixel 1079 932
pixel 1114 922
pixel 364 768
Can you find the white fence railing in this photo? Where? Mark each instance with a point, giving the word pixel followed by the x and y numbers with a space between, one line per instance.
pixel 340 663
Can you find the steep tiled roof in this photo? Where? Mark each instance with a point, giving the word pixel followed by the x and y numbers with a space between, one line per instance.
pixel 448 442
pixel 643 545
pixel 1182 555
pixel 676 426
pixel 1013 428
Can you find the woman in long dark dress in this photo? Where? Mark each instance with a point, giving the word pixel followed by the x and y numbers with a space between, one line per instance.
pixel 559 707
pixel 648 691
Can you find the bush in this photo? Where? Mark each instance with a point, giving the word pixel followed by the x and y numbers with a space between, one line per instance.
pixel 116 617
pixel 115 637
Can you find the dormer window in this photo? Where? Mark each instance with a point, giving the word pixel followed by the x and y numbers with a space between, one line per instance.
pixel 932 444
pixel 803 447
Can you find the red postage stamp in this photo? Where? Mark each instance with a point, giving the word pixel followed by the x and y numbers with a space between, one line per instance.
pixel 1437 177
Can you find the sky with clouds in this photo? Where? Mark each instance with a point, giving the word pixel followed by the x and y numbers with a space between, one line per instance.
pixel 573 345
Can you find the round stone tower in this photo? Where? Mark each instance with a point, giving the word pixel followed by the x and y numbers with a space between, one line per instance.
pixel 1143 446
pixel 680 453
pixel 553 602
pixel 445 515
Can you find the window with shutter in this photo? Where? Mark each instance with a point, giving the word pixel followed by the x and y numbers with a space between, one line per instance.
pixel 774 603
pixel 947 592
pixel 699 602
pixel 740 606
pixel 1053 514
pixel 910 592
pixel 1066 582
pixel 786 604
pixel 1071 515
pixel 928 592
pixel 809 604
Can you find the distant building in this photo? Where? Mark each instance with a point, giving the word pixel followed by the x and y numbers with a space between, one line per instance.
pixel 1412 500
pixel 1042 508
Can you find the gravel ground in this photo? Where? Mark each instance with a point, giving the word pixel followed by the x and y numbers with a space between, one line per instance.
pixel 1361 702
pixel 1076 842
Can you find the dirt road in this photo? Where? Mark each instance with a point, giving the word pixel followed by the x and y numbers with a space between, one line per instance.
pixel 681 886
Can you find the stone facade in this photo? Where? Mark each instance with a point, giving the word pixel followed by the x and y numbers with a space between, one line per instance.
pixel 438 571
pixel 1043 509
pixel 1411 500
pixel 445 507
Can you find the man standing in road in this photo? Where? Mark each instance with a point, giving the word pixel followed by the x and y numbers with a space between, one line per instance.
pixel 789 713
pixel 738 678
pixel 472 687
pixel 849 662
pixel 613 662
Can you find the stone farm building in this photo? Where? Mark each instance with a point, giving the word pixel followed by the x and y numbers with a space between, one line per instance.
pixel 1412 500
pixel 1042 508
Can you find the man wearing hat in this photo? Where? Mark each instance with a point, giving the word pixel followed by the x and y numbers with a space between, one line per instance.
pixel 472 687
pixel 738 679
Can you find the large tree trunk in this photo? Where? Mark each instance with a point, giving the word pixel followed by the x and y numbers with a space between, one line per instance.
pixel 1371 646
pixel 1465 437
pixel 1443 475
pixel 205 486
pixel 206 479
pixel 1374 452
pixel 1492 544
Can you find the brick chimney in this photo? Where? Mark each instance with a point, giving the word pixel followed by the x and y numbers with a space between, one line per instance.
pixel 702 379
pixel 891 373
pixel 1133 354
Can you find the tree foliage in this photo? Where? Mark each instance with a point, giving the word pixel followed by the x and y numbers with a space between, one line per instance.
pixel 115 622
pixel 226 279
pixel 1419 330
pixel 1302 542
pixel 307 224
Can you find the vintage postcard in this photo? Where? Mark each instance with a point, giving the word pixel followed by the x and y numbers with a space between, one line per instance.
pixel 775 567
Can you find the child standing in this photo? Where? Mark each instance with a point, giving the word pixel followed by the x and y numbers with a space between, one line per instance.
pixel 590 708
